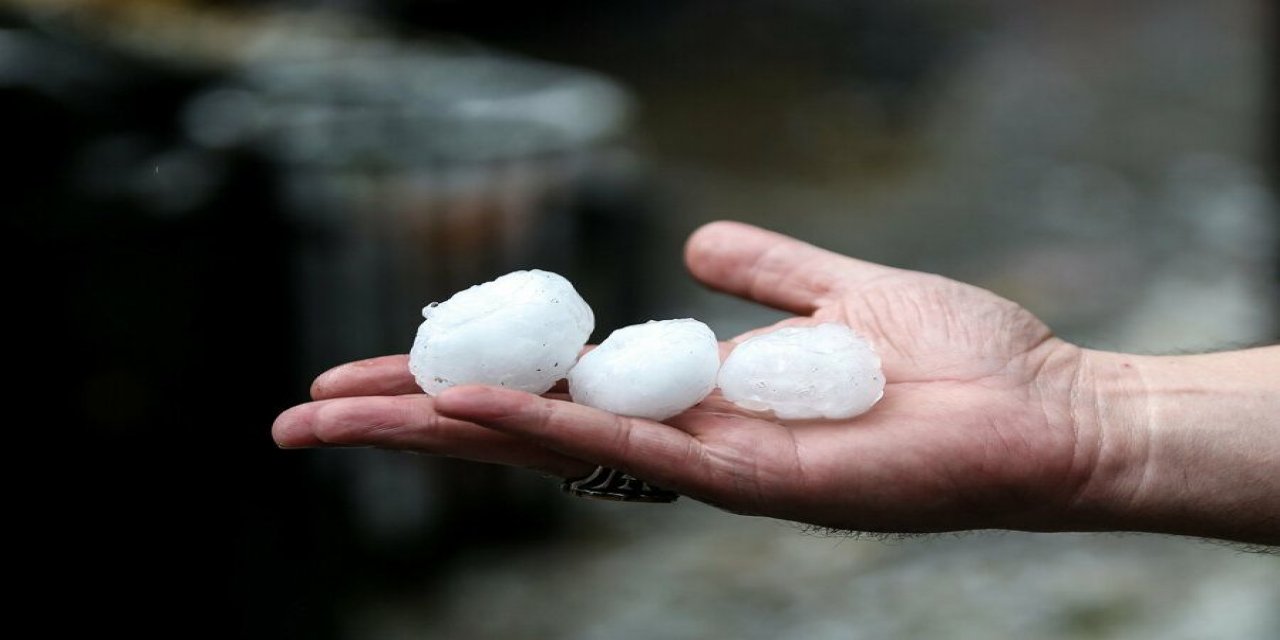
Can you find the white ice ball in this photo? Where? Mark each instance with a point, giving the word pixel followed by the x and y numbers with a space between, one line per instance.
pixel 653 370
pixel 522 331
pixel 798 373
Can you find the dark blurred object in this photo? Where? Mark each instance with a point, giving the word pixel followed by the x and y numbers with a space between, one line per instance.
pixel 409 173
pixel 228 203
pixel 764 87
pixel 158 276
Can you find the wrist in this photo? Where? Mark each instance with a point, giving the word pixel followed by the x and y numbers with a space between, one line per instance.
pixel 1181 444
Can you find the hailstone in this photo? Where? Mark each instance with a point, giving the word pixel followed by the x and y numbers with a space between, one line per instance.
pixel 798 373
pixel 653 370
pixel 522 331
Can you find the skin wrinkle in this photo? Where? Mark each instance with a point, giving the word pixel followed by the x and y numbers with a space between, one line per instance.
pixel 999 468
pixel 430 422
pixel 1089 462
pixel 695 455
pixel 622 443
pixel 336 430
pixel 1037 371
pixel 1100 471
pixel 1145 459
pixel 1036 397
pixel 326 415
pixel 999 440
pixel 743 474
pixel 802 475
pixel 879 323
pixel 818 281
pixel 758 270
pixel 544 423
pixel 927 305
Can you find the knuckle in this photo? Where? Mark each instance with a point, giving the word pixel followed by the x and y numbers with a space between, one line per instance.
pixel 348 423
pixel 623 442
pixel 543 416
pixel 333 421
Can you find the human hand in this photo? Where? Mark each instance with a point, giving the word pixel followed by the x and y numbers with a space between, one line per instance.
pixel 988 420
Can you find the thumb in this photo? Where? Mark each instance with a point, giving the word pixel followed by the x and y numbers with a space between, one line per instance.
pixel 772 269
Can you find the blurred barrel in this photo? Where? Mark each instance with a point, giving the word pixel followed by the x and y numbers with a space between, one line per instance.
pixel 408 173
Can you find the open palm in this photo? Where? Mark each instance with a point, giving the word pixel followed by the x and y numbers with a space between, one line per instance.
pixel 975 429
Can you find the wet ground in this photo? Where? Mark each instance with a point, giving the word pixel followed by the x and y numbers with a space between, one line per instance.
pixel 688 571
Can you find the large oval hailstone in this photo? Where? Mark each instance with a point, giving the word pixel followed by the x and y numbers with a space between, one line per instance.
pixel 799 373
pixel 522 331
pixel 653 370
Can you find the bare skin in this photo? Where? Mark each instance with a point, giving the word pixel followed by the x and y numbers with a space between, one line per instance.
pixel 988 420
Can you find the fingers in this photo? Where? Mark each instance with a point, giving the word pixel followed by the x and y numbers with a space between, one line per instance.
pixel 384 376
pixel 412 423
pixel 771 268
pixel 648 450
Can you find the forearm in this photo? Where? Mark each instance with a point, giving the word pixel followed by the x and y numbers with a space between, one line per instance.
pixel 1187 444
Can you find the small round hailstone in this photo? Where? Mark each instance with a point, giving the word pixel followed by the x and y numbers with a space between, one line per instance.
pixel 799 373
pixel 522 331
pixel 653 370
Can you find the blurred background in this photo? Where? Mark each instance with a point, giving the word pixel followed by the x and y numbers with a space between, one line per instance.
pixel 221 199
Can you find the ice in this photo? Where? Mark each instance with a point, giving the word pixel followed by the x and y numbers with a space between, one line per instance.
pixel 798 373
pixel 523 331
pixel 653 370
